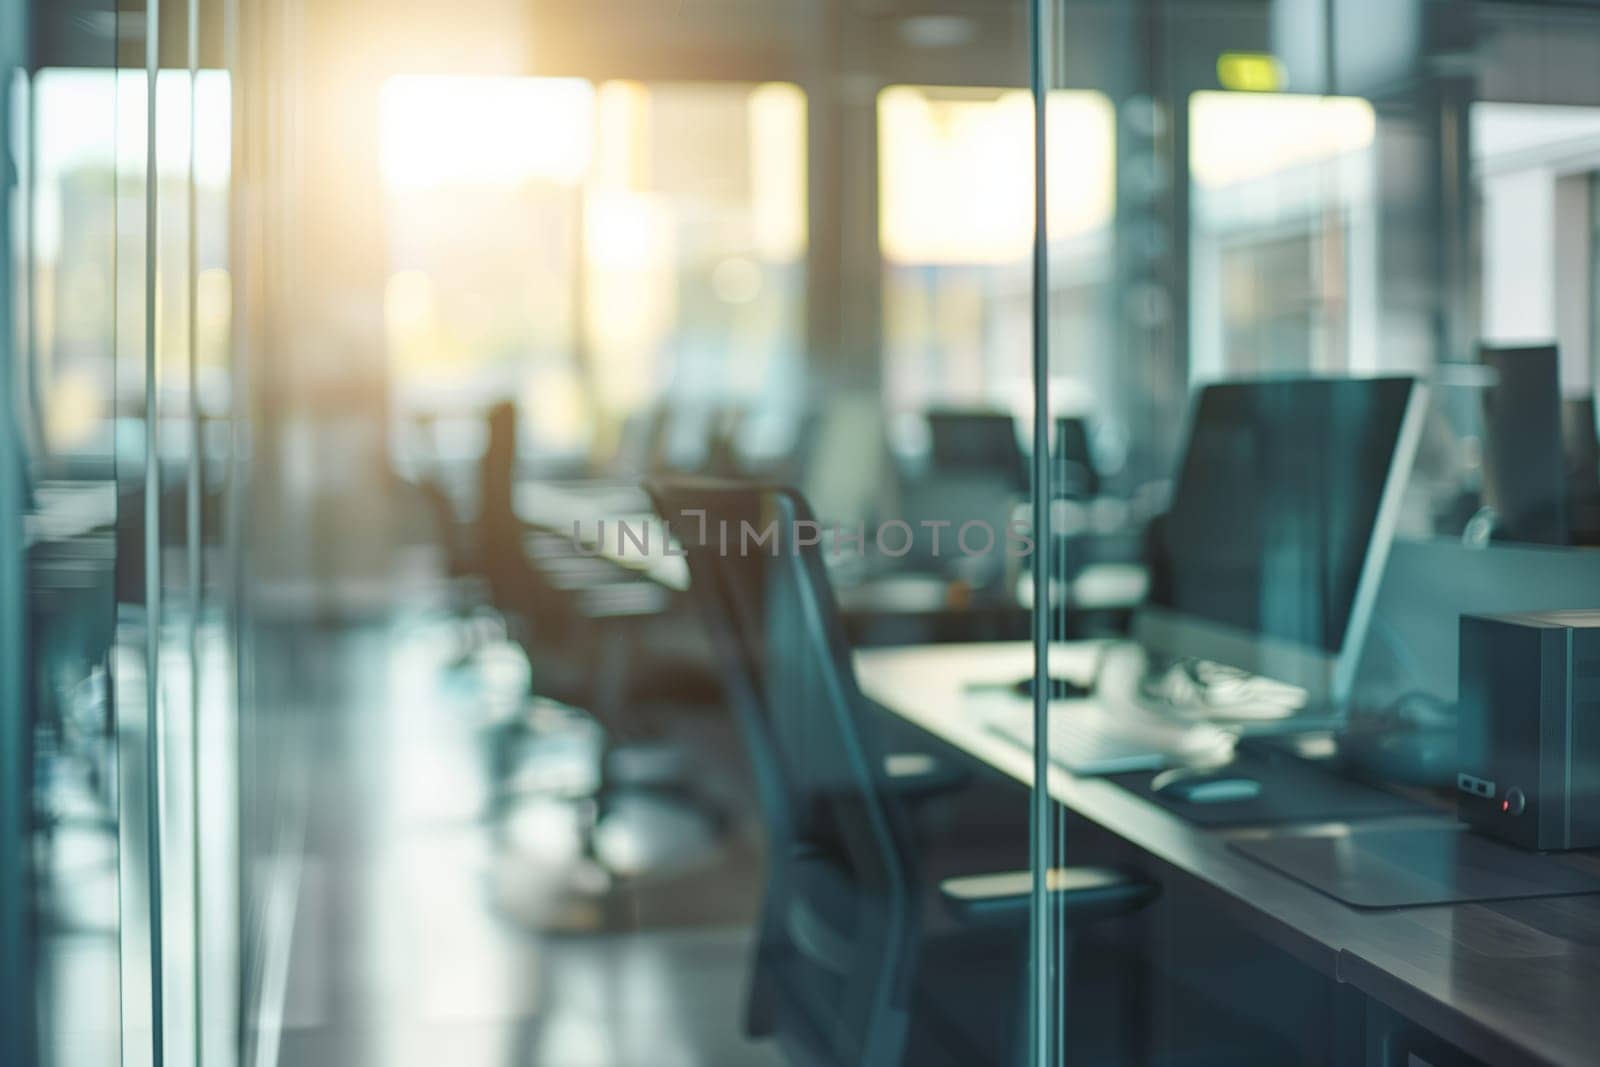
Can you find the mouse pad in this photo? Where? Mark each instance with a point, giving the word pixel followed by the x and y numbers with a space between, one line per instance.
pixel 1292 791
pixel 1445 864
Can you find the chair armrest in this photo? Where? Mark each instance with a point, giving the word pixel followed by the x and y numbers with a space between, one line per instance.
pixel 1085 895
pixel 914 773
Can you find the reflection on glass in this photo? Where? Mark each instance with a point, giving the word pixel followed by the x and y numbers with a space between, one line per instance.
pixel 84 308
pixel 1398 269
pixel 72 299
pixel 63 252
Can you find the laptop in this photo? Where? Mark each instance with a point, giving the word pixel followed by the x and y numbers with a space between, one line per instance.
pixel 1264 573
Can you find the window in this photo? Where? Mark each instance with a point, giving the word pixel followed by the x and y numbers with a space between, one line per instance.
pixel 1283 234
pixel 956 219
pixel 551 242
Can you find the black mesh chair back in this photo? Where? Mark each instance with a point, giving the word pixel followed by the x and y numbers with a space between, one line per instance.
pixel 834 964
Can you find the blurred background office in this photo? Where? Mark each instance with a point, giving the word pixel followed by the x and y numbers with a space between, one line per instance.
pixel 337 723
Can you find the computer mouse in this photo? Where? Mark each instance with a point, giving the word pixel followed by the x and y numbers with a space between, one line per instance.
pixel 1060 689
pixel 1215 786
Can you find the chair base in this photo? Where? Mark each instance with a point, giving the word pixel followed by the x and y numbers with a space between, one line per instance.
pixel 575 867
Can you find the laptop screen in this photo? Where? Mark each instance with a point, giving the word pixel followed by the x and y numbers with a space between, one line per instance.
pixel 1276 505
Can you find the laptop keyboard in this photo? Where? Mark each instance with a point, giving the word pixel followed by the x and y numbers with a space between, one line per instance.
pixel 1087 738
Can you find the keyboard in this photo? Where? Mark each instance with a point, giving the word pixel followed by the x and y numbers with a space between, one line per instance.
pixel 1088 738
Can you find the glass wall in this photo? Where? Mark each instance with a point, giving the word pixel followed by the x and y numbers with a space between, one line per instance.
pixel 540 255
pixel 726 532
pixel 1351 359
pixel 121 419
pixel 65 781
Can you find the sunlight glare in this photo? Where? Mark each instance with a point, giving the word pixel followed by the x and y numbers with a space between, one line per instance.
pixel 445 129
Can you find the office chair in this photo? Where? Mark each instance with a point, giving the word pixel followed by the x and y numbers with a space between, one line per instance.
pixel 845 945
pixel 466 597
pixel 1075 475
pixel 555 598
pixel 578 621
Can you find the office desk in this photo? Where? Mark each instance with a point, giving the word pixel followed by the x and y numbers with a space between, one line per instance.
pixel 568 510
pixel 1512 982
pixel 64 510
pixel 579 509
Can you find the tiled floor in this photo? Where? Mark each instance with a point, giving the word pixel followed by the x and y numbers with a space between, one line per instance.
pixel 421 936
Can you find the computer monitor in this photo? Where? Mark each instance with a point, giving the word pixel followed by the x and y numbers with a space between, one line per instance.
pixel 977 443
pixel 1524 466
pixel 1582 435
pixel 1281 518
pixel 1578 427
pixel 1075 476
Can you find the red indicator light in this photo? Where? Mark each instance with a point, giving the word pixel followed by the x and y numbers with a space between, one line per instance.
pixel 1505 805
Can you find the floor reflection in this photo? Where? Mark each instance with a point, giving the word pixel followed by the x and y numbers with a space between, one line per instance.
pixel 444 921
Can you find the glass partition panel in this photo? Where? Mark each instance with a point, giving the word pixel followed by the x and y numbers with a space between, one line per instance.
pixel 61 774
pixel 1340 412
pixel 115 203
pixel 621 263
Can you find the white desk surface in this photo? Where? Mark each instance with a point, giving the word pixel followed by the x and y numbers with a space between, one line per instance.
pixel 1512 981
